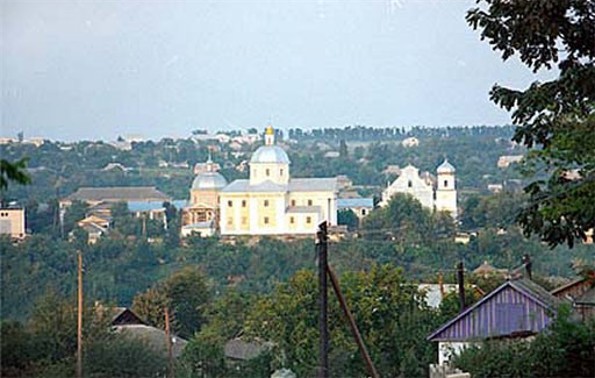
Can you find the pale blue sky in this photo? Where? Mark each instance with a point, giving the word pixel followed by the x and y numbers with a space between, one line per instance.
pixel 98 69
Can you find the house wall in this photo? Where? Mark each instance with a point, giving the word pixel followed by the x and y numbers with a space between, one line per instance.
pixel 448 349
pixel 12 222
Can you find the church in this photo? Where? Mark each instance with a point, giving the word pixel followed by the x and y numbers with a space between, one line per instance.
pixel 435 193
pixel 269 202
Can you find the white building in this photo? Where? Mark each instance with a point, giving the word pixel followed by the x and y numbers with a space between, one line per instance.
pixel 410 142
pixel 440 195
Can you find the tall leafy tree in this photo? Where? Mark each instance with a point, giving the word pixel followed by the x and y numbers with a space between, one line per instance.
pixel 185 293
pixel 556 118
pixel 13 172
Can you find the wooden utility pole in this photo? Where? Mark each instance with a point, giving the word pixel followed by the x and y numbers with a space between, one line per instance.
pixel 461 282
pixel 170 356
pixel 354 330
pixel 322 252
pixel 79 334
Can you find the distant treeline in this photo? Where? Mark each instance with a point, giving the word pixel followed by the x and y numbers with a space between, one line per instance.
pixel 368 133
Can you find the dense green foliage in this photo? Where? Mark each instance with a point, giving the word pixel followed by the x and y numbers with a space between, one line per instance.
pixel 184 294
pixel 14 172
pixel 45 345
pixel 558 116
pixel 120 266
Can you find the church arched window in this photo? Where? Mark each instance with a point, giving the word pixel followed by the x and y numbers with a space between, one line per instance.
pixel 409 184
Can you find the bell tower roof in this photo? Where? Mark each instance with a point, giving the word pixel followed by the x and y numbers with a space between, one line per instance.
pixel 446 167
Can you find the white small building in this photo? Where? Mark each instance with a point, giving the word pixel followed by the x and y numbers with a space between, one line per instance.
pixel 360 206
pixel 440 195
pixel 506 160
pixel 410 142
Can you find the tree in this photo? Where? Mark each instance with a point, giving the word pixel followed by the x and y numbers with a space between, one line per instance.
pixel 185 293
pixel 74 213
pixel 556 118
pixel 343 151
pixel 13 172
pixel 404 219
pixel 388 311
pixel 348 218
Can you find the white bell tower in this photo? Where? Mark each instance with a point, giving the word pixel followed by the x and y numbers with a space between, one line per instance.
pixel 446 191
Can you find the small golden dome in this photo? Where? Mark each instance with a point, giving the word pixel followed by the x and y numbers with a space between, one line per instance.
pixel 269 130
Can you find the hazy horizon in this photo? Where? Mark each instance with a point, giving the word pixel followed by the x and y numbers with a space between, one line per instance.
pixel 96 70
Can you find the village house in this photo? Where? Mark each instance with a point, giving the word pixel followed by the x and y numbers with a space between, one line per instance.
pixel 359 206
pixel 12 222
pixel 506 160
pixel 517 309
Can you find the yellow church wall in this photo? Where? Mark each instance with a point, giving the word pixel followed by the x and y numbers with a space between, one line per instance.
pixel 230 205
pixel 277 173
pixel 319 199
pixel 243 214
pixel 267 213
pixel 298 222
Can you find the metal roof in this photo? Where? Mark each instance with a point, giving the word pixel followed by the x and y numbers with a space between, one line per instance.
pixel 269 154
pixel 209 180
pixel 313 184
pixel 295 185
pixel 346 203
pixel 118 193
pixel 135 206
pixel 466 325
pixel 242 186
pixel 446 167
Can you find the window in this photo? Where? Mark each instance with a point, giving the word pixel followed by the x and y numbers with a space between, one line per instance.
pixel 409 184
pixel 308 220
pixel 244 203
pixel 309 202
pixel 229 203
pixel 292 202
pixel 281 172
pixel 291 220
pixel 446 183
pixel 268 172
pixel 229 221
pixel 266 220
pixel 244 220
pixel 266 203
pixel 363 211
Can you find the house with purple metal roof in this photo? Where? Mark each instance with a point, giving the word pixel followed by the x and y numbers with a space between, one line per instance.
pixel 517 309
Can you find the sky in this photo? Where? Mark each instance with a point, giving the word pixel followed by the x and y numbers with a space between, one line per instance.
pixel 74 70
